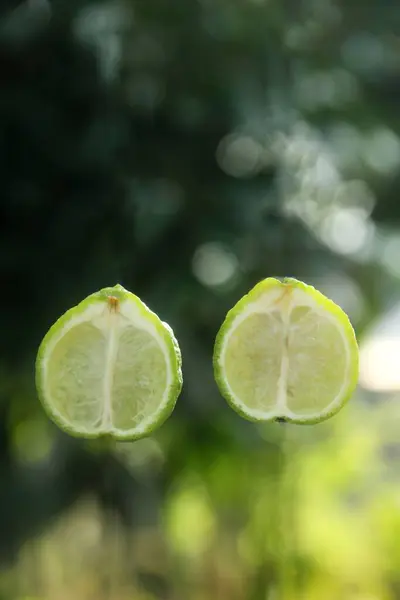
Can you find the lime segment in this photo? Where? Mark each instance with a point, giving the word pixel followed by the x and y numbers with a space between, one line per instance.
pixel 253 366
pixel 109 366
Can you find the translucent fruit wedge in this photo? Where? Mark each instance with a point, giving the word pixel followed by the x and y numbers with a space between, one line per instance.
pixel 109 366
pixel 287 352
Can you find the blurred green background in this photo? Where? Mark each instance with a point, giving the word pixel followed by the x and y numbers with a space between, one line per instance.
pixel 188 149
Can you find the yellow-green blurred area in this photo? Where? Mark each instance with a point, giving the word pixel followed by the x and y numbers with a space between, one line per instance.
pixel 187 149
pixel 229 523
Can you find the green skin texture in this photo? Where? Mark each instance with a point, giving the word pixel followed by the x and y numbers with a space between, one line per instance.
pixel 163 330
pixel 328 305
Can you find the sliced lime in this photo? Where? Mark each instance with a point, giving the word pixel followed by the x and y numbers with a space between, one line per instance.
pixel 285 351
pixel 109 366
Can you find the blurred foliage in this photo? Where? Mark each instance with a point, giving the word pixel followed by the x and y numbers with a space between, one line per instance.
pixel 188 149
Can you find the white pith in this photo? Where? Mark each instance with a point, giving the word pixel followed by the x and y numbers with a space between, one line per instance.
pixel 112 323
pixel 267 303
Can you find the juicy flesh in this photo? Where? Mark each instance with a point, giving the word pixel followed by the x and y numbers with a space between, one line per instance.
pixel 288 359
pixel 106 374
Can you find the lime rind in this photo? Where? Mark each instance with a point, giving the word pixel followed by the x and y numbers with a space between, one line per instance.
pixel 327 305
pixel 171 345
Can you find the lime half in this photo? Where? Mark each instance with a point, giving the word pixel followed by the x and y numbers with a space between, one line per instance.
pixel 287 352
pixel 109 366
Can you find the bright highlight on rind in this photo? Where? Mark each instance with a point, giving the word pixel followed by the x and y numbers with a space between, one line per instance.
pixel 286 352
pixel 109 367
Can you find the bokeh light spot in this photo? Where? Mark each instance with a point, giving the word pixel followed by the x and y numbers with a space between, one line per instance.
pixel 190 520
pixel 379 353
pixel 381 150
pixel 346 231
pixel 239 156
pixel 32 441
pixel 379 364
pixel 214 265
